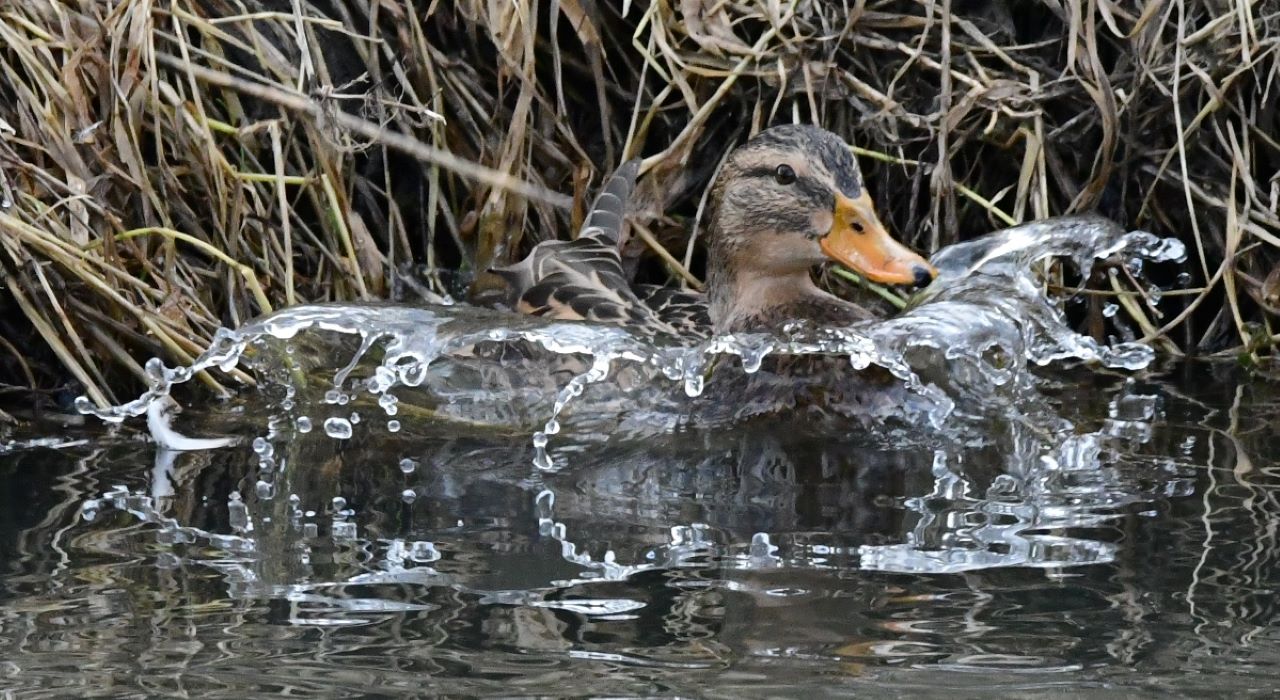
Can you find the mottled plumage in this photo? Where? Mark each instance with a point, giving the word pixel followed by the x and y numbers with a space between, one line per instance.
pixel 786 201
pixel 583 279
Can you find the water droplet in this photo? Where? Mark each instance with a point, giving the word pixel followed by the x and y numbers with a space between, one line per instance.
pixel 393 426
pixel 265 489
pixel 154 369
pixel 344 531
pixel 544 504
pixel 408 465
pixel 859 361
pixel 693 385
pixel 413 375
pixel 1110 309
pixel 338 428
pixel 389 403
pixel 541 459
pixel 408 495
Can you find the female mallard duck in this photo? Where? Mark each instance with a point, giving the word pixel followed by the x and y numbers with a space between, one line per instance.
pixel 786 201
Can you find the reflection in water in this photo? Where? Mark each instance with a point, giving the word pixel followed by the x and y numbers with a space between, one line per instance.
pixel 1136 550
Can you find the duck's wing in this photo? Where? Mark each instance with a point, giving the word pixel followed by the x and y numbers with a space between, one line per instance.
pixel 583 279
pixel 683 310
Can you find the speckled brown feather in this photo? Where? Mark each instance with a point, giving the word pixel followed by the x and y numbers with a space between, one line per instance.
pixel 582 279
pixel 681 309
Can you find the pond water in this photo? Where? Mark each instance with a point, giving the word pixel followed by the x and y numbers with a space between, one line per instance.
pixel 441 500
pixel 1139 555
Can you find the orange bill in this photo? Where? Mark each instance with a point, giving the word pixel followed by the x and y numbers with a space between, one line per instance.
pixel 859 241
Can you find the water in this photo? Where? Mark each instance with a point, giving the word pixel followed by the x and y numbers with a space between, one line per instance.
pixel 1137 553
pixel 437 500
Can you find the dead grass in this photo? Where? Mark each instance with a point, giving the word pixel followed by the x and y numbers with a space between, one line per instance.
pixel 166 168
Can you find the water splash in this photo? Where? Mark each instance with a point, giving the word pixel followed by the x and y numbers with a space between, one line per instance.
pixel 963 349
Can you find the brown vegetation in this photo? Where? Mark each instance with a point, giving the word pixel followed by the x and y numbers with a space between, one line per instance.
pixel 167 168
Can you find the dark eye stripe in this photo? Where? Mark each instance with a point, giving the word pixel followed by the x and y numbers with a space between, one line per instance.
pixel 760 172
pixel 813 190
pixel 811 187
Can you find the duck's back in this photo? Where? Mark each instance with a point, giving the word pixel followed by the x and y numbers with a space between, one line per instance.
pixel 583 279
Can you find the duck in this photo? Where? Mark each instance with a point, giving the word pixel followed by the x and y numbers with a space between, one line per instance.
pixel 788 200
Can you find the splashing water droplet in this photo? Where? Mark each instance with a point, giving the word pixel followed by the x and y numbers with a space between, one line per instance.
pixel 262 447
pixel 694 383
pixel 264 489
pixel 338 428
pixel 344 531
pixel 388 402
pixel 541 459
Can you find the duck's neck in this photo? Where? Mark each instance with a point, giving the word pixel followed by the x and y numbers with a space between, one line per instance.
pixel 741 297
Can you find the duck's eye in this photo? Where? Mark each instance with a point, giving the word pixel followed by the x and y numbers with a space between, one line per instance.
pixel 784 174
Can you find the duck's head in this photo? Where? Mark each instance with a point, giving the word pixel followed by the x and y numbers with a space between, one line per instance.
pixel 792 198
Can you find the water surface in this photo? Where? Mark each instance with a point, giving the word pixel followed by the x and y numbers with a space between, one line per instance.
pixel 1136 554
